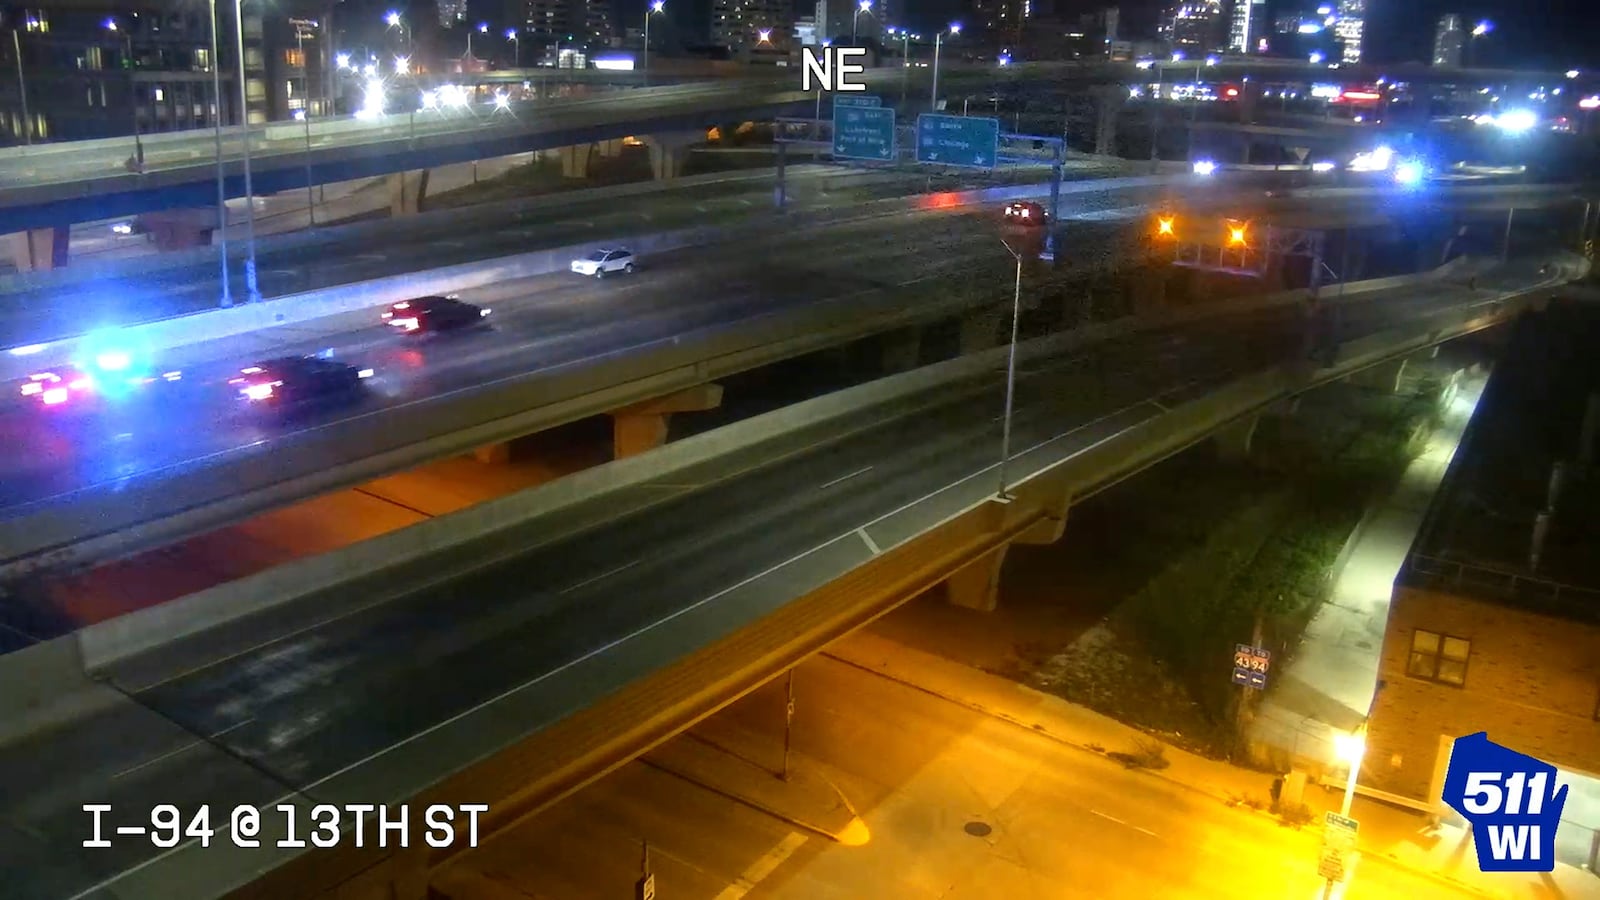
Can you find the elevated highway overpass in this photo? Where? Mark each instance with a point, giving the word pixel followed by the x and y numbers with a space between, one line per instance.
pixel 510 653
pixel 133 481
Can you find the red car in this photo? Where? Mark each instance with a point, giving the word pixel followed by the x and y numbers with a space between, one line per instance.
pixel 58 389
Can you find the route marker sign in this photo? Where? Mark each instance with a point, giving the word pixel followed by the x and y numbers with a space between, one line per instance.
pixel 970 141
pixel 1338 842
pixel 863 100
pixel 1250 665
pixel 863 132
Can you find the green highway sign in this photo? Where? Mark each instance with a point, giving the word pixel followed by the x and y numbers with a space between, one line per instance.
pixel 863 132
pixel 853 100
pixel 971 141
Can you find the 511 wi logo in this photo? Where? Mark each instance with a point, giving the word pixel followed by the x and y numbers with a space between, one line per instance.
pixel 1512 801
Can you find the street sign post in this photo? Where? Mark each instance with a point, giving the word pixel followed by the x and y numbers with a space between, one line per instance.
pixel 969 141
pixel 1338 846
pixel 863 132
pixel 850 100
pixel 1250 665
pixel 645 888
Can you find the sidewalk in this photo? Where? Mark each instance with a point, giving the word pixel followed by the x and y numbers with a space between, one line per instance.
pixel 1389 836
pixel 1328 688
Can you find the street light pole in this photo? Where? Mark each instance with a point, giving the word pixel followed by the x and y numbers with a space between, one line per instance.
pixel 252 289
pixel 516 41
pixel 1505 244
pixel 938 40
pixel 222 190
pixel 855 20
pixel 655 7
pixel 22 87
pixel 1011 372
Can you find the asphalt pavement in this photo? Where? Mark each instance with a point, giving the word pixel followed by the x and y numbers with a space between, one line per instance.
pixel 79 306
pixel 537 324
pixel 958 806
pixel 292 711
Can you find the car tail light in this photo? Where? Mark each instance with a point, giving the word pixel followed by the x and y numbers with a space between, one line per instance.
pixel 258 391
pixel 55 396
pixel 364 373
pixel 409 324
pixel 483 313
pixel 32 389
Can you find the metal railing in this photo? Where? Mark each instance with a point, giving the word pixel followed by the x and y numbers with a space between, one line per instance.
pixel 1543 593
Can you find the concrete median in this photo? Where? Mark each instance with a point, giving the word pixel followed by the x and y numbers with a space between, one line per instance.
pixel 442 539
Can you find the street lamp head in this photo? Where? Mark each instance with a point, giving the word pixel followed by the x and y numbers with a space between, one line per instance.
pixel 511 34
pixel 658 6
pixel 342 60
pixel 764 36
pixel 1316 57
pixel 483 27
pixel 1482 28
pixel 111 24
pixel 955 27
pixel 1350 747
pixel 864 6
pixel 1572 73
pixel 402 65
pixel 1211 60
pixel 392 18
pixel 1177 56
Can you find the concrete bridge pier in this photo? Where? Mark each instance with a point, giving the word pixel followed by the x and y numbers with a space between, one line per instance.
pixel 180 229
pixel 1384 376
pixel 1233 441
pixel 575 160
pixel 1108 103
pixel 39 249
pixel 643 426
pixel 669 152
pixel 977 584
pixel 610 149
pixel 408 192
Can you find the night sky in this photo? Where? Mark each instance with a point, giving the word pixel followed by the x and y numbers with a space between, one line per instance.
pixel 1554 34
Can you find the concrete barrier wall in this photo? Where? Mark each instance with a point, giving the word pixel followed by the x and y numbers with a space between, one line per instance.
pixel 108 642
pixel 46 688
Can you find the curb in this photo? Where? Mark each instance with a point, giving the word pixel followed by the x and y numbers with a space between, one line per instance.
pixel 1041 730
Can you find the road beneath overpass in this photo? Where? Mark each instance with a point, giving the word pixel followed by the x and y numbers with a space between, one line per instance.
pixel 236 714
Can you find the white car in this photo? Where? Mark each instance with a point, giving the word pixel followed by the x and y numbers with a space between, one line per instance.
pixel 603 262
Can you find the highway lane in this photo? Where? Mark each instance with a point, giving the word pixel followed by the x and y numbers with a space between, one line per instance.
pixel 297 709
pixel 51 311
pixel 538 324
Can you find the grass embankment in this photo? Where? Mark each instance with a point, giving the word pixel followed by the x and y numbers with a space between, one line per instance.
pixel 1225 544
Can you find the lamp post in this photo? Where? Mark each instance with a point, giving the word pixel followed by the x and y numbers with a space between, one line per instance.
pixel 1011 371
pixel 1479 30
pixel 483 28
pixel 216 130
pixel 133 100
pixel 395 20
pixel 304 115
pixel 1351 748
pixel 516 41
pixel 655 7
pixel 865 6
pixel 22 87
pixel 252 290
pixel 905 59
pixel 938 40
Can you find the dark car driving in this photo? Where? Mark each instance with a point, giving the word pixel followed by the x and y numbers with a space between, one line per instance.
pixel 293 382
pixel 428 315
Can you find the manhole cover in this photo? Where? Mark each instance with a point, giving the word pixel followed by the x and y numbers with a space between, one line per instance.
pixel 977 829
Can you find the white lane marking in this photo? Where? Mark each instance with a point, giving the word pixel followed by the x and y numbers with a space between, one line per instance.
pixel 871 544
pixel 844 478
pixel 761 868
pixel 1122 823
pixel 153 760
pixel 601 577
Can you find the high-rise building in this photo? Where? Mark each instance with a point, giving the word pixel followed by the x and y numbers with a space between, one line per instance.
pixel 999 23
pixel 1349 28
pixel 1448 40
pixel 1246 24
pixel 599 24
pixel 111 69
pixel 740 24
pixel 1193 26
pixel 548 22
pixel 452 12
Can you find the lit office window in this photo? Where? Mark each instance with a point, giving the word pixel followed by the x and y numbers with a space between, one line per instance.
pixel 1438 657
pixel 202 59
pixel 294 57
pixel 252 57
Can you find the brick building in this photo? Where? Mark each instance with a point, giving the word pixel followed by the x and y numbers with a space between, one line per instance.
pixel 1495 619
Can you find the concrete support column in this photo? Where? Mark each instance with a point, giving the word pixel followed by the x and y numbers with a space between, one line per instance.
pixel 408 192
pixel 643 426
pixel 1233 441
pixel 575 160
pixel 902 350
pixel 1383 377
pixel 979 332
pixel 977 584
pixel 39 249
pixel 610 149
pixel 1108 104
pixel 180 229
pixel 669 153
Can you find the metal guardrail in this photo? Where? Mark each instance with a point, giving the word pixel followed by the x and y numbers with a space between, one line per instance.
pixel 1554 596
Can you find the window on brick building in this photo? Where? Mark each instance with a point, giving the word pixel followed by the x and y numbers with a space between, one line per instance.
pixel 1438 657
